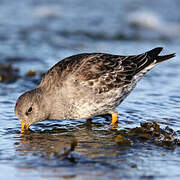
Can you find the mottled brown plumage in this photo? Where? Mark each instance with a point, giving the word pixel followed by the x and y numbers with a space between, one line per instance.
pixel 86 85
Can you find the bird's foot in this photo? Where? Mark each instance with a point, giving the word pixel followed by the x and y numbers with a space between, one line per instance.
pixel 114 123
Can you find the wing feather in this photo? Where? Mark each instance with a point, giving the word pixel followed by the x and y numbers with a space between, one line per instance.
pixel 99 72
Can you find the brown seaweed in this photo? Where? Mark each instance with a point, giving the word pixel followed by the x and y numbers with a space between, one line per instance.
pixel 8 73
pixel 151 132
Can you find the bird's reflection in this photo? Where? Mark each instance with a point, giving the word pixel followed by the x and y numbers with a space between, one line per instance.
pixel 86 145
pixel 46 144
pixel 92 138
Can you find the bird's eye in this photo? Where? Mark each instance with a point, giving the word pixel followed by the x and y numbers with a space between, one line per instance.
pixel 30 109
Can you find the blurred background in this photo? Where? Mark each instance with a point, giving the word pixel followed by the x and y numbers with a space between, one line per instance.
pixel 34 35
pixel 53 29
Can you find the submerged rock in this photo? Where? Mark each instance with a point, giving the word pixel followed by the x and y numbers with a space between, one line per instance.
pixel 121 140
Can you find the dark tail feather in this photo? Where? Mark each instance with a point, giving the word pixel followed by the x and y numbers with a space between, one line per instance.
pixel 152 59
pixel 153 54
pixel 165 57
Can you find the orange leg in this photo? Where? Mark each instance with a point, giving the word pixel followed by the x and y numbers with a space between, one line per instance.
pixel 114 119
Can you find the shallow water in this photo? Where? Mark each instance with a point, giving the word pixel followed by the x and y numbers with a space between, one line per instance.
pixel 41 33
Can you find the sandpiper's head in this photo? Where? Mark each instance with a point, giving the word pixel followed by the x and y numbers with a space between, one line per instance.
pixel 31 108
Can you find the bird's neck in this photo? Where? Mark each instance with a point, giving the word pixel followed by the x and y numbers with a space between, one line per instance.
pixel 55 104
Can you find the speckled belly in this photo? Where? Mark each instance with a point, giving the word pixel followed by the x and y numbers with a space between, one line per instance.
pixel 98 105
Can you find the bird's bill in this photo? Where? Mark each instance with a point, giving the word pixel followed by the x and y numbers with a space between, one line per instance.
pixel 24 126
